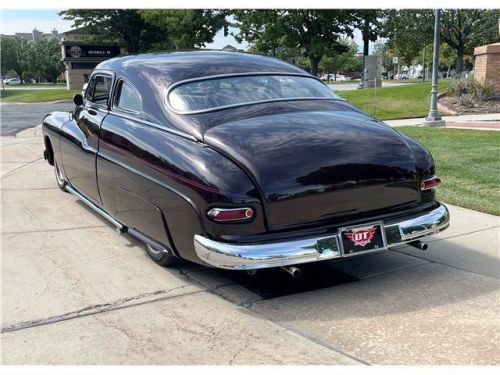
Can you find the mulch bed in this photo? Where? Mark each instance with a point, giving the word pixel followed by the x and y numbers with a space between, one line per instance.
pixel 490 106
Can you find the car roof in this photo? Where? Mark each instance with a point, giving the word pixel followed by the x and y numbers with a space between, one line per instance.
pixel 178 66
pixel 153 74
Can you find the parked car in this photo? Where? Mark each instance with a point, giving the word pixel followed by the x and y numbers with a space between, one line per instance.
pixel 239 161
pixel 333 77
pixel 11 81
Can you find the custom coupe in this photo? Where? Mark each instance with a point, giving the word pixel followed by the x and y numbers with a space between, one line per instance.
pixel 239 161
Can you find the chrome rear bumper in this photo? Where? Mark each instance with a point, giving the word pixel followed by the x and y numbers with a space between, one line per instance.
pixel 275 254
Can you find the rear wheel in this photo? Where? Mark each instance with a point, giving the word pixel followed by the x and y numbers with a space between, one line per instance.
pixel 61 182
pixel 160 257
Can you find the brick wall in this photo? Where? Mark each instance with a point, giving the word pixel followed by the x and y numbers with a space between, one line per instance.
pixel 487 64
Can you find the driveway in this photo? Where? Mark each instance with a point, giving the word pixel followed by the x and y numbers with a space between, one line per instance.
pixel 76 292
pixel 19 116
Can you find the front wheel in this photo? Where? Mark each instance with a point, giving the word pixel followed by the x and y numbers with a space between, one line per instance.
pixel 61 182
pixel 160 257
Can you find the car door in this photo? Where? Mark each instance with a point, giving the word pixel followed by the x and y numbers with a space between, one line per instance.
pixel 81 143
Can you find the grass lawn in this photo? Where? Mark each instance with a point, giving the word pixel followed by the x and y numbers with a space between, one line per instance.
pixel 389 103
pixel 33 96
pixel 468 162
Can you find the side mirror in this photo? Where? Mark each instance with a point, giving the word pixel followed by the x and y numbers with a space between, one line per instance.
pixel 78 100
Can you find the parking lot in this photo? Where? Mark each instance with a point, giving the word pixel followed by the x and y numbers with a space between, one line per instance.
pixel 76 292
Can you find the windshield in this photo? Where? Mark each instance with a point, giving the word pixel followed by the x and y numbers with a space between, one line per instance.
pixel 233 91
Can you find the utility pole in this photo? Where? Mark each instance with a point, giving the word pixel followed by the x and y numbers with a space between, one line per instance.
pixel 433 118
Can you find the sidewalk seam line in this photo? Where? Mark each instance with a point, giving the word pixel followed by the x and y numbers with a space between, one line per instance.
pixel 465 234
pixel 97 309
pixel 447 265
pixel 306 336
pixel 22 166
pixel 54 230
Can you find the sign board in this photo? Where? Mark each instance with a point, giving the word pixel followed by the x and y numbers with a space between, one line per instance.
pixel 394 60
pixel 93 51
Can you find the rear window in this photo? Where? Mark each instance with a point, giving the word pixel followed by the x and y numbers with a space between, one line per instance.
pixel 216 93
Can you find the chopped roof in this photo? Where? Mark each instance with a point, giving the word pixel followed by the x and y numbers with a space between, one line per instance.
pixel 176 66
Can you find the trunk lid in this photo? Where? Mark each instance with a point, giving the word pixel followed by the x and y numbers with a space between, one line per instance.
pixel 320 165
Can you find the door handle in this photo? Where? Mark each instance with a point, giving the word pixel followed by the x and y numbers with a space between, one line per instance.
pixel 86 147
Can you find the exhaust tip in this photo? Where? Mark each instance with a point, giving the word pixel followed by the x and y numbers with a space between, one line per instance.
pixel 419 245
pixel 293 271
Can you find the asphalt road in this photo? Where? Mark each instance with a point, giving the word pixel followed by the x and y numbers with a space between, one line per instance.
pixel 16 116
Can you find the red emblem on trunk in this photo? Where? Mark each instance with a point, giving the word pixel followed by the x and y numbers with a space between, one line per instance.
pixel 361 236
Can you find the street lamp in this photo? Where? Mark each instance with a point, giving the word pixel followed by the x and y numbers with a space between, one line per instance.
pixel 433 118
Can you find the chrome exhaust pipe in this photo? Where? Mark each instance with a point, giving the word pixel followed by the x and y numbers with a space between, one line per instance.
pixel 419 245
pixel 294 271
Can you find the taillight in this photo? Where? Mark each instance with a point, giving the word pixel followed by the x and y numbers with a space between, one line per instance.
pixel 230 214
pixel 430 183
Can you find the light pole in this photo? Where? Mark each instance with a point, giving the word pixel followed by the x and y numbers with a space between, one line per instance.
pixel 433 118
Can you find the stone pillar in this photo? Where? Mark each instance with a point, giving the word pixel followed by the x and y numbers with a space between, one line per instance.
pixel 487 64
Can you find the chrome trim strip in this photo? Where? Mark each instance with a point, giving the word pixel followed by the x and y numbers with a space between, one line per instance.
pixel 217 76
pixel 266 255
pixel 141 237
pixel 94 207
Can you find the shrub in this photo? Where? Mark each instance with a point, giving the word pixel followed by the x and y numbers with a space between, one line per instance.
pixel 457 87
pixel 468 89
pixel 467 100
pixel 484 90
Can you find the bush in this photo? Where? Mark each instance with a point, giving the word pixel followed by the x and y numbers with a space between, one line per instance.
pixel 467 100
pixel 468 89
pixel 457 87
pixel 484 90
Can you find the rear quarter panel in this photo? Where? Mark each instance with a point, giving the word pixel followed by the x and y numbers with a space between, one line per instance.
pixel 141 168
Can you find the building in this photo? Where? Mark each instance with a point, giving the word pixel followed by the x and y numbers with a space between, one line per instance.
pixel 80 55
pixel 37 35
pixel 80 59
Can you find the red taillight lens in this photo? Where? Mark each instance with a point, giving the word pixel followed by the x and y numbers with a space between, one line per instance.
pixel 430 183
pixel 230 214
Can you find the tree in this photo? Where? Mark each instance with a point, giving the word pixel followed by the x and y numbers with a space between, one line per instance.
pixel 371 24
pixel 15 55
pixel 189 28
pixel 382 50
pixel 346 61
pixel 125 25
pixel 461 29
pixel 314 32
pixel 46 60
pixel 464 29
pixel 409 30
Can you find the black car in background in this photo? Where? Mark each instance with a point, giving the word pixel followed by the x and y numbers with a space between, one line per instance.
pixel 239 161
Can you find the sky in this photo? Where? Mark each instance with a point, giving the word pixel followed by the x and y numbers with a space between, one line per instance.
pixel 25 20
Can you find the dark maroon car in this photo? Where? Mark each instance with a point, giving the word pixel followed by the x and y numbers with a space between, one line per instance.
pixel 239 161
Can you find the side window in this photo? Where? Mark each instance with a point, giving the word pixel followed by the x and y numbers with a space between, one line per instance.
pixel 128 98
pixel 99 89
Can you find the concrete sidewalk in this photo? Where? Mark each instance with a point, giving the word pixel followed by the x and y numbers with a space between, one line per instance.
pixel 75 292
pixel 489 121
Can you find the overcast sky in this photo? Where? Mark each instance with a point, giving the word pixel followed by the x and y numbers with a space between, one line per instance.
pixel 25 20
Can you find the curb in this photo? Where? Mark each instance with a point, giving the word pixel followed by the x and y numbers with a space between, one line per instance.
pixel 444 109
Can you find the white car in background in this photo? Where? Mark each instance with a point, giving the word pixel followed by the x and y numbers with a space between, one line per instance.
pixel 11 81
pixel 339 77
